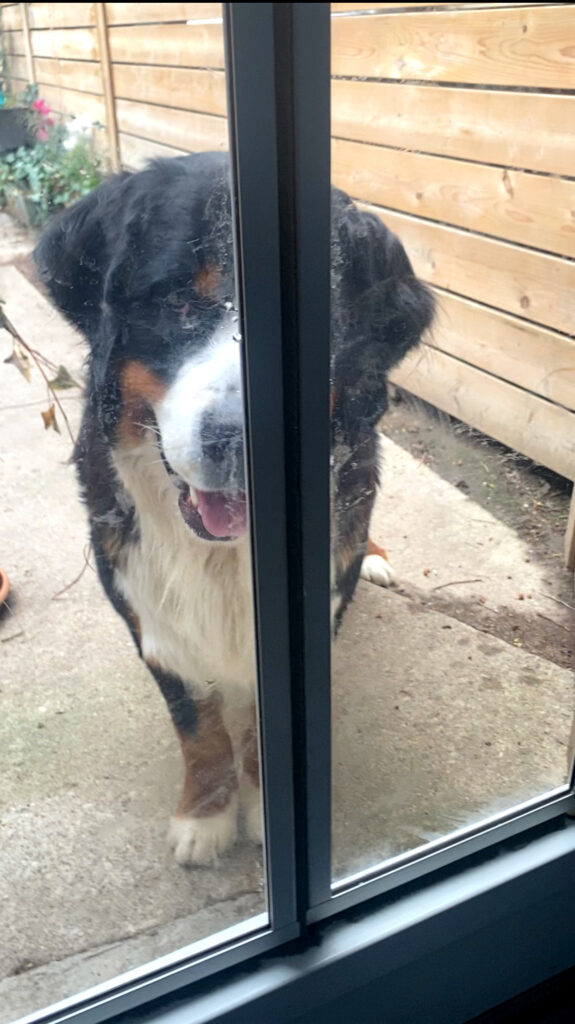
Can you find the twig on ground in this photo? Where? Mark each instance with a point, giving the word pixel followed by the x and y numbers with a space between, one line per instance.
pixel 5 639
pixel 552 621
pixel 87 552
pixel 456 583
pixel 559 601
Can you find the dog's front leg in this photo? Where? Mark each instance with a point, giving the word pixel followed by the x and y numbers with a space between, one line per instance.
pixel 205 823
pixel 250 781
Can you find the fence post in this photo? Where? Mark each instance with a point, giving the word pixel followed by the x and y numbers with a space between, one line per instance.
pixel 28 44
pixel 108 86
pixel 570 535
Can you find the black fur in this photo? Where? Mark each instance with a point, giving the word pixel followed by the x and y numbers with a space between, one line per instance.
pixel 379 312
pixel 181 706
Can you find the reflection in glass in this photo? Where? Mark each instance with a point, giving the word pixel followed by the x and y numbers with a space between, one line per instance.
pixel 452 690
pixel 139 274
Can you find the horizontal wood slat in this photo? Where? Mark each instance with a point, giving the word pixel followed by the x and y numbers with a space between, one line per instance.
pixel 82 76
pixel 516 129
pixel 11 17
pixel 392 7
pixel 63 15
pixel 136 153
pixel 47 16
pixel 186 88
pixel 499 46
pixel 68 43
pixel 180 45
pixel 71 103
pixel 542 431
pixel 531 209
pixel 131 14
pixel 182 129
pixel 532 357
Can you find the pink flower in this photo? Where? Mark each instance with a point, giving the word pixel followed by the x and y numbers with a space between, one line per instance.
pixel 41 106
pixel 42 135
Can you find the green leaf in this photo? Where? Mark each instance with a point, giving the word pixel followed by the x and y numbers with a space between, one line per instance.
pixel 63 380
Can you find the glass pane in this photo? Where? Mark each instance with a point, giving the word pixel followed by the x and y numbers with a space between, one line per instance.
pixel 452 436
pixel 139 276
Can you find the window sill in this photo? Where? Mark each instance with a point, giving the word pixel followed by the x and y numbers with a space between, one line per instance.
pixel 444 952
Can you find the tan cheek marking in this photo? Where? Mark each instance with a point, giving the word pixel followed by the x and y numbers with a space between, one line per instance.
pixel 208 282
pixel 139 388
pixel 210 780
pixel 137 381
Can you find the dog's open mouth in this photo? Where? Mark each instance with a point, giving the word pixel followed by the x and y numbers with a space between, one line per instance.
pixel 214 515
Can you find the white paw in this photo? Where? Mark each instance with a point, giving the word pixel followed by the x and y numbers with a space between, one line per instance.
pixel 203 840
pixel 251 799
pixel 375 569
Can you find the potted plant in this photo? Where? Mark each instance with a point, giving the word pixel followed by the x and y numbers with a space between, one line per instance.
pixel 58 169
pixel 16 128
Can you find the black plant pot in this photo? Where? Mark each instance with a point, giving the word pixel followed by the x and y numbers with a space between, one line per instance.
pixel 14 130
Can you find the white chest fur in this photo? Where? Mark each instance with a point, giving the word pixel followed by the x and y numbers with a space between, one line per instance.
pixel 193 598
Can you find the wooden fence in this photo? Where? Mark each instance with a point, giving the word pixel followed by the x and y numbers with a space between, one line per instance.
pixel 454 122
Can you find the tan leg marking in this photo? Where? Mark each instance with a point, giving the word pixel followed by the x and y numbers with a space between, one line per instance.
pixel 205 823
pixel 374 549
pixel 210 778
pixel 251 796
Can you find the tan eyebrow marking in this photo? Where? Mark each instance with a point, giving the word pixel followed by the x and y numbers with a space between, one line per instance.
pixel 207 282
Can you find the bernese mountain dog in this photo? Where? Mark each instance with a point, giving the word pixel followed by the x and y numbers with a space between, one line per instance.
pixel 144 267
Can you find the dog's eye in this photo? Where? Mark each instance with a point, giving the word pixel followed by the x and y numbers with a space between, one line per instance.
pixel 178 301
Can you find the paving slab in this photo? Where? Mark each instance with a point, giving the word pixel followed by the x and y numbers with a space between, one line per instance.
pixel 436 726
pixel 440 540
pixel 15 240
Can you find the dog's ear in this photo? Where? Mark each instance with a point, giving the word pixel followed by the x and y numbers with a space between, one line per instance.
pixel 72 256
pixel 388 305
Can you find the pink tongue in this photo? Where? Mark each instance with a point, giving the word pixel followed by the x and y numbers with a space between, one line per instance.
pixel 223 514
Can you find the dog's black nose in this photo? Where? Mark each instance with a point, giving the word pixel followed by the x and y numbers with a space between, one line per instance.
pixel 221 440
pixel 223 452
